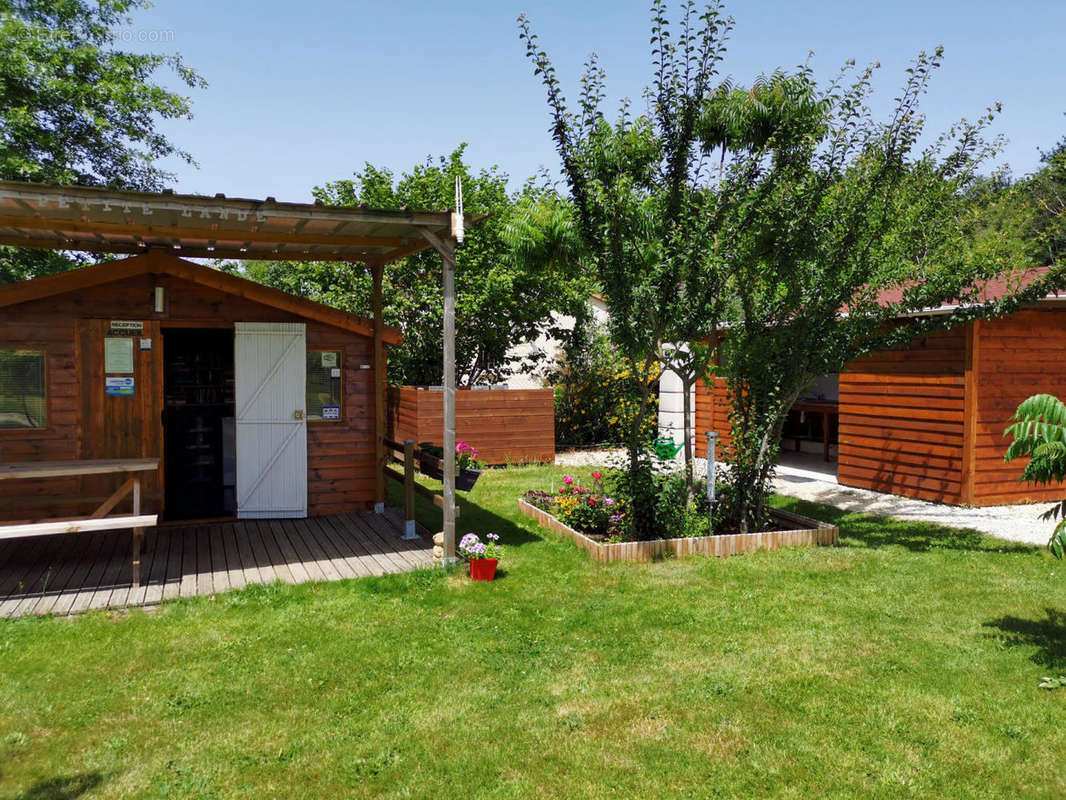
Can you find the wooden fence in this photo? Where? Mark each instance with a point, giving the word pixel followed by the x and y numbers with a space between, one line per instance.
pixel 507 426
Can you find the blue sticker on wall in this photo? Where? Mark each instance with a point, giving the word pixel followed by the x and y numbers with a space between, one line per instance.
pixel 119 387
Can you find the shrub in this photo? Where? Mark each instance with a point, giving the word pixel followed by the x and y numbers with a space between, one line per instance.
pixel 596 393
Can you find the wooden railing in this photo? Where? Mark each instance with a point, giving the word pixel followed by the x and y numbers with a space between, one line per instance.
pixel 101 519
pixel 405 454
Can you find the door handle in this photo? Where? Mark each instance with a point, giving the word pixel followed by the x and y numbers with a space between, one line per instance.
pixel 298 414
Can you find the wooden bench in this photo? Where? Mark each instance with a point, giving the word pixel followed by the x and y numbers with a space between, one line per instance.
pixel 99 519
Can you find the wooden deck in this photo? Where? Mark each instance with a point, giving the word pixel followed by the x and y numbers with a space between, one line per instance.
pixel 72 573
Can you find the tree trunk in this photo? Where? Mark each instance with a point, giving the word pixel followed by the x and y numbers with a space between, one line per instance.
pixel 760 469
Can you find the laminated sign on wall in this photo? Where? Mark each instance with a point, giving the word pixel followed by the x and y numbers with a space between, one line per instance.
pixel 118 354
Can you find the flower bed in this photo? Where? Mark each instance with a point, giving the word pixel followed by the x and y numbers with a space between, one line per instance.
pixel 588 509
pixel 800 532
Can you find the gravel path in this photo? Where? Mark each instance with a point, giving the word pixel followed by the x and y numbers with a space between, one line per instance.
pixel 1017 523
pixel 588 458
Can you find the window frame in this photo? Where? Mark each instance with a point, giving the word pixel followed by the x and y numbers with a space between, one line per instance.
pixel 340 351
pixel 42 348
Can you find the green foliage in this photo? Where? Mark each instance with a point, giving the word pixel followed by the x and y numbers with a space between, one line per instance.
pixel 75 109
pixel 501 301
pixel 657 502
pixel 597 395
pixel 823 216
pixel 636 185
pixel 1039 434
pixel 813 207
pixel 1028 215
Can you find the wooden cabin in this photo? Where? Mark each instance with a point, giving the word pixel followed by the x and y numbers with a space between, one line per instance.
pixel 927 421
pixel 258 403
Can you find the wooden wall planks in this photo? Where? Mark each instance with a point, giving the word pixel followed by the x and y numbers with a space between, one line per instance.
pixel 83 423
pixel 1018 356
pixel 901 420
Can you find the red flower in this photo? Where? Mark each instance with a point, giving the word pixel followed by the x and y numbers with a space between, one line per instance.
pixel 597 475
pixel 592 501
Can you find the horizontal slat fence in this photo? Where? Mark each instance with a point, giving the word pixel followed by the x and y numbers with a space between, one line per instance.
pixel 507 426
pixel 1015 358
pixel 901 419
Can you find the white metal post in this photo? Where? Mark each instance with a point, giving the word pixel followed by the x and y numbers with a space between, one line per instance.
pixel 712 499
pixel 712 440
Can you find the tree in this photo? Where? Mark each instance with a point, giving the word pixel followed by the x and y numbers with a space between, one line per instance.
pixel 816 224
pixel 74 109
pixel 1029 213
pixel 500 300
pixel 638 191
pixel 789 242
pixel 1039 434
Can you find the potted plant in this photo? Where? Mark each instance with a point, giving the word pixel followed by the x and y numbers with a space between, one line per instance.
pixel 469 467
pixel 430 463
pixel 483 556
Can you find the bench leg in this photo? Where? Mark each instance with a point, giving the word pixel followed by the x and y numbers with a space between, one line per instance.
pixel 138 540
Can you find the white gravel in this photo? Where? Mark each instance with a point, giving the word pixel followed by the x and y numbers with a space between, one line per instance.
pixel 1016 523
pixel 589 458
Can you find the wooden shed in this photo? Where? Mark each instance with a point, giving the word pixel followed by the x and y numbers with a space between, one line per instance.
pixel 927 421
pixel 259 403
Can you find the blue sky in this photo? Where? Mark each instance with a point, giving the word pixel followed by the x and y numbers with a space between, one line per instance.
pixel 303 93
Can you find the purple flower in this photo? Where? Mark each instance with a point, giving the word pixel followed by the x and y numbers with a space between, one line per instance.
pixel 608 501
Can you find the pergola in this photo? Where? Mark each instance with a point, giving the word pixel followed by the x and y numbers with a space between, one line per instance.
pixel 102 220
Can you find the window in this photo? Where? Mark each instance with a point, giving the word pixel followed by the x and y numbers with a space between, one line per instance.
pixel 324 385
pixel 22 397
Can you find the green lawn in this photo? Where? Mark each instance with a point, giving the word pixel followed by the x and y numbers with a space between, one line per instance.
pixel 904 663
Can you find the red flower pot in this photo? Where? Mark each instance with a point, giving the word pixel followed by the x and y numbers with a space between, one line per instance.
pixel 483 569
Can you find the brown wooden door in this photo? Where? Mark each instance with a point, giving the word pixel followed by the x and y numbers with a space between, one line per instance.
pixel 120 426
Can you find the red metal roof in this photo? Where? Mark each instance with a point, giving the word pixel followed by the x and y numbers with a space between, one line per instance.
pixel 990 291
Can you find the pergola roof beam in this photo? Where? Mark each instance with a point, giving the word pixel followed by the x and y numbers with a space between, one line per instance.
pixel 87 196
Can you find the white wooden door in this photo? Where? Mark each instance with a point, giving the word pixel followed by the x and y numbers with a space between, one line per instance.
pixel 270 362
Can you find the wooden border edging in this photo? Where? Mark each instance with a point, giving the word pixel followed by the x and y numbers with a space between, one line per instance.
pixel 812 533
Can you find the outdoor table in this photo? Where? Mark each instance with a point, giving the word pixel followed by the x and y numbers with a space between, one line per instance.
pixel 827 410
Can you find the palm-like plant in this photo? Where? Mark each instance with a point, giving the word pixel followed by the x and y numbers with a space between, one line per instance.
pixel 1039 431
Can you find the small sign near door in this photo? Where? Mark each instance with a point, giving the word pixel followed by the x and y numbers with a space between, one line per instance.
pixel 119 387
pixel 126 327
pixel 331 412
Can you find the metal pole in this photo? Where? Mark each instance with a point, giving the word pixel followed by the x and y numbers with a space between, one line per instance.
pixel 409 528
pixel 448 258
pixel 712 500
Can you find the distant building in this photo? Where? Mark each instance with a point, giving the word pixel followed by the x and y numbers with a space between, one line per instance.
pixel 537 377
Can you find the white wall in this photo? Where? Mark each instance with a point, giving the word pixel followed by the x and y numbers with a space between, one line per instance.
pixel 672 410
pixel 553 348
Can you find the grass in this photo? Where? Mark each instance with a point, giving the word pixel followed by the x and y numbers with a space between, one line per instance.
pixel 904 663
